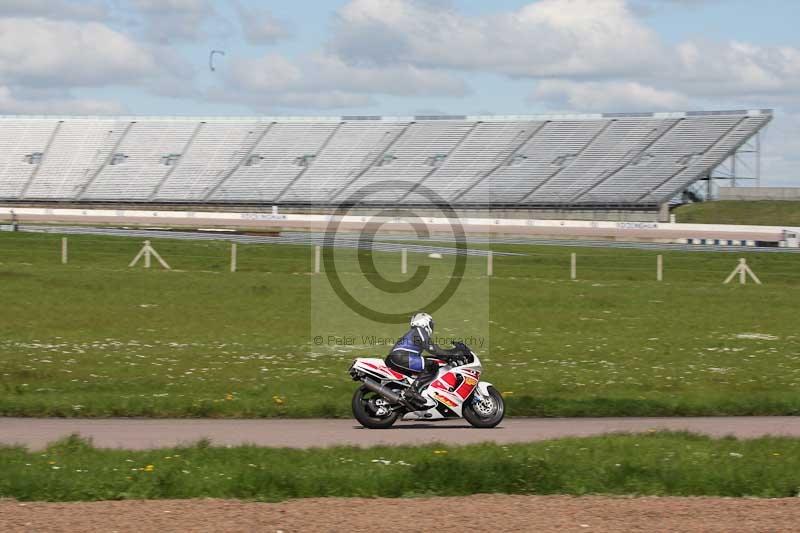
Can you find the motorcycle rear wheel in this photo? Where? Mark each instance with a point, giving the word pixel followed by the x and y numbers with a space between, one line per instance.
pixel 487 414
pixel 363 412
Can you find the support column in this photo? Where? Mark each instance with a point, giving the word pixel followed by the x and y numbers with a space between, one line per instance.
pixel 663 212
pixel 85 187
pixel 758 159
pixel 35 171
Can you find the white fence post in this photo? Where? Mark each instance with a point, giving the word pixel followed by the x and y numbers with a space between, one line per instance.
pixel 316 259
pixel 147 251
pixel 743 270
pixel 147 254
pixel 404 261
pixel 490 264
pixel 64 251
pixel 660 268
pixel 752 274
pixel 573 270
pixel 233 257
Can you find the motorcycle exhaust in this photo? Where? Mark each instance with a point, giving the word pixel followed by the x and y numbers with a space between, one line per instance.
pixel 383 390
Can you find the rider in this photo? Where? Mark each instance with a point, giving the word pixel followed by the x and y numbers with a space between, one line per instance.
pixel 406 356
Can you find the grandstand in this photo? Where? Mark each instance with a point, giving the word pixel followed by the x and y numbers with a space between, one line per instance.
pixel 635 161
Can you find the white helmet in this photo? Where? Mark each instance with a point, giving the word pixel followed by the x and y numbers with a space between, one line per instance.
pixel 422 320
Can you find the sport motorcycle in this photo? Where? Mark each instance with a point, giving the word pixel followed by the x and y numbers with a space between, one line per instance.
pixel 456 392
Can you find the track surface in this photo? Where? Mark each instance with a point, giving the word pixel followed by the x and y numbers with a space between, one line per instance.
pixel 156 433
pixel 494 512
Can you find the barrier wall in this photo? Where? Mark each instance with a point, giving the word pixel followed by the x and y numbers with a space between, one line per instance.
pixel 652 230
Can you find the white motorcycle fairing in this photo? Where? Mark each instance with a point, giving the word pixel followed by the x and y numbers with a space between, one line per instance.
pixel 377 369
pixel 445 395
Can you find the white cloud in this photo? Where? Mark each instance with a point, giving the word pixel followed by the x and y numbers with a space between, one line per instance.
pixel 328 71
pixel 600 38
pixel 55 104
pixel 325 81
pixel 738 68
pixel 260 26
pixel 55 9
pixel 65 53
pixel 606 96
pixel 574 40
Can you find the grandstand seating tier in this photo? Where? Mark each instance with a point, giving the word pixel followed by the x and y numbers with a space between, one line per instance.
pixel 614 160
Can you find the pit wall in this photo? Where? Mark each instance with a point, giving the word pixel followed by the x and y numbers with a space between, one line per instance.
pixel 525 214
pixel 628 230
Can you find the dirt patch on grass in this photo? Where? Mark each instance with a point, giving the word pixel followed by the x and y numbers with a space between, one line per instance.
pixel 483 512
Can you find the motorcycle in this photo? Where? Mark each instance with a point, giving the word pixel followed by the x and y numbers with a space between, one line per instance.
pixel 456 392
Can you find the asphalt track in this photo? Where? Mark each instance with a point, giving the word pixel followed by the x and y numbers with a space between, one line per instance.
pixel 140 434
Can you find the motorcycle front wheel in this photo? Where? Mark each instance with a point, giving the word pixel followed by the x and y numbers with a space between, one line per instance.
pixel 486 412
pixel 372 410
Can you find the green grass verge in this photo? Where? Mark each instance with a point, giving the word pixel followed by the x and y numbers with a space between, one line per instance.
pixel 675 464
pixel 758 213
pixel 94 338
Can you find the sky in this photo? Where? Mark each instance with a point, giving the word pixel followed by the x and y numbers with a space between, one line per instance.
pixel 407 57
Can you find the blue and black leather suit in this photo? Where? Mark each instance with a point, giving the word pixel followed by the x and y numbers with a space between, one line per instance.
pixel 406 356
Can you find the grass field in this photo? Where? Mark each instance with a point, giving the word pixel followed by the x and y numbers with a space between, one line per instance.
pixel 760 213
pixel 658 464
pixel 95 338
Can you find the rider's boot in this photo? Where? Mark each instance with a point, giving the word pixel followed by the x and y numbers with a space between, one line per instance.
pixel 413 397
pixel 412 394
